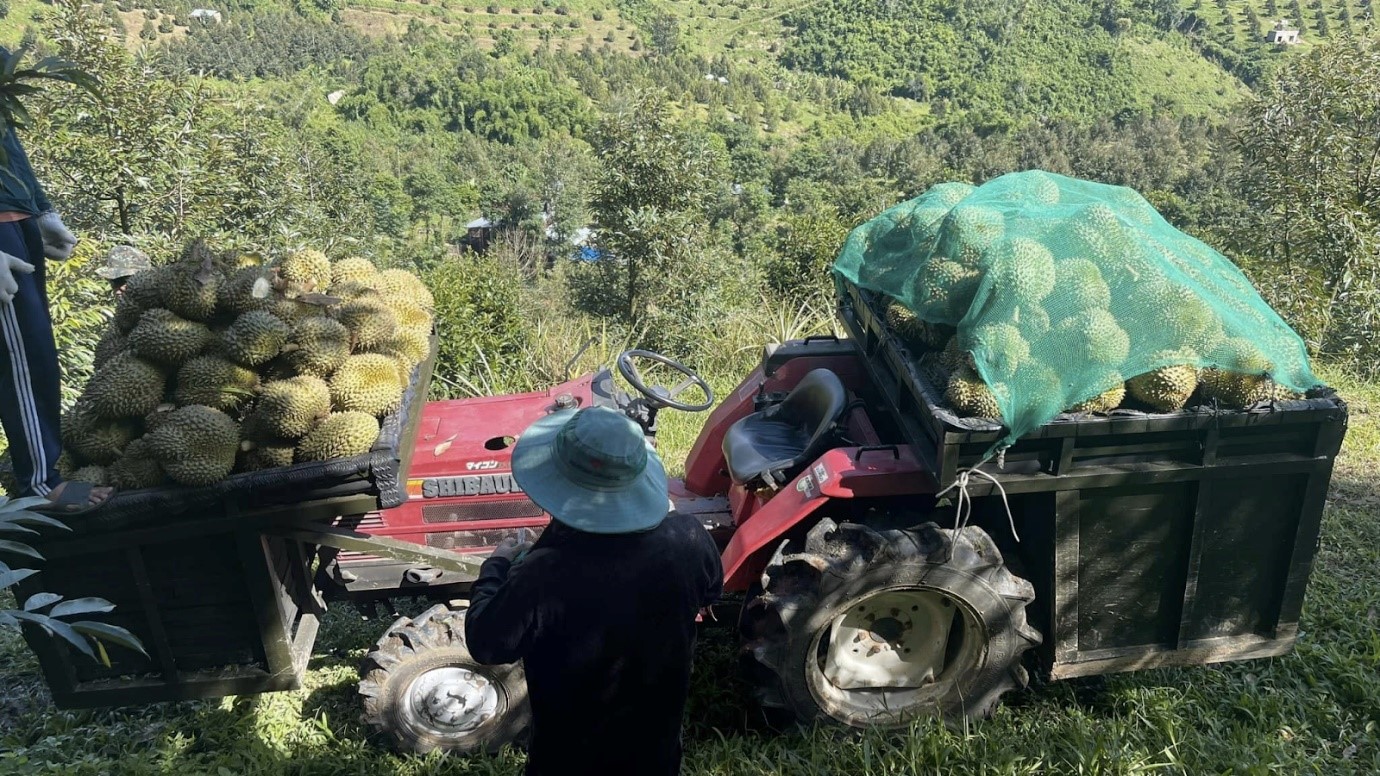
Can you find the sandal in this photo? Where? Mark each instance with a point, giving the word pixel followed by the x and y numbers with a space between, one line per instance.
pixel 74 499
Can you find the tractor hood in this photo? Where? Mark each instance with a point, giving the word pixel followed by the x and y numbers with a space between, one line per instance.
pixel 464 437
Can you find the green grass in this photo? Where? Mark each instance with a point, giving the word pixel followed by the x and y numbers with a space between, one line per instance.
pixel 1315 711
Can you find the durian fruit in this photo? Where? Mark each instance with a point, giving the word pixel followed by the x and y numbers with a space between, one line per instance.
pixel 126 386
pixel 412 346
pixel 92 439
pixel 404 283
pixel 247 290
pixel 192 290
pixel 136 468
pixel 290 310
pixel 256 456
pixel 113 341
pixel 127 314
pixel 305 271
pixel 163 337
pixel 970 396
pixel 1165 389
pixel 907 325
pixel 1002 348
pixel 215 382
pixel 196 445
pixel 367 383
pixel 96 475
pixel 1106 401
pixel 1092 337
pixel 67 464
pixel 160 413
pixel 352 270
pixel 969 231
pixel 954 357
pixel 1236 390
pixel 1032 321
pixel 287 409
pixel 317 346
pixel 1022 270
pixel 145 289
pixel 410 314
pixel 339 435
pixel 1081 287
pixel 355 289
pixel 255 338
pixel 369 322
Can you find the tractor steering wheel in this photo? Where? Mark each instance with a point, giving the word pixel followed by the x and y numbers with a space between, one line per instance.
pixel 663 397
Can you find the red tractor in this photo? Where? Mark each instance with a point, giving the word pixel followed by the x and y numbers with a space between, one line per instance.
pixel 872 575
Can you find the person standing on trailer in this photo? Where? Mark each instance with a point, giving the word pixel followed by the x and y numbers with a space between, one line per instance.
pixel 32 233
pixel 601 609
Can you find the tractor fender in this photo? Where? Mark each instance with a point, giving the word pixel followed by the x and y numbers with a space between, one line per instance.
pixel 844 472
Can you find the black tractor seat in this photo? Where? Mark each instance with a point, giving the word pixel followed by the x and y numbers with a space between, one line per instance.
pixel 772 445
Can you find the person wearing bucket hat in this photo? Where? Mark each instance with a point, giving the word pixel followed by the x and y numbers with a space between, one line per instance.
pixel 122 263
pixel 601 609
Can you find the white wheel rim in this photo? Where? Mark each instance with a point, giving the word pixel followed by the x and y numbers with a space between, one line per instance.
pixel 895 639
pixel 450 702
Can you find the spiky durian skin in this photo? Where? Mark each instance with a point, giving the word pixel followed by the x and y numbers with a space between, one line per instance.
pixel 196 445
pixel 145 289
pixel 1081 287
pixel 94 474
pixel 306 271
pixel 92 439
pixel 192 291
pixel 256 338
pixel 136 468
pixel 1240 391
pixel 266 455
pixel 215 382
pixel 1002 347
pixel 409 313
pixel 1093 337
pixel 369 322
pixel 412 346
pixel 288 409
pixel 401 282
pixel 1166 389
pixel 970 396
pixel 1022 270
pixel 113 341
pixel 945 289
pixel 163 337
pixel 353 269
pixel 339 435
pixel 321 346
pixel 367 383
pixel 126 387
pixel 906 324
pixel 127 314
pixel 1106 401
pixel 247 290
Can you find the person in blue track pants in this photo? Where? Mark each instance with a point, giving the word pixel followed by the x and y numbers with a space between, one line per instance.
pixel 31 234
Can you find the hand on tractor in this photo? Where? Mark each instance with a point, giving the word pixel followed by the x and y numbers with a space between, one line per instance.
pixel 58 240
pixel 8 266
pixel 514 546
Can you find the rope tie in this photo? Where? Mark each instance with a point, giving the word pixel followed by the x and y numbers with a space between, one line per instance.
pixel 965 500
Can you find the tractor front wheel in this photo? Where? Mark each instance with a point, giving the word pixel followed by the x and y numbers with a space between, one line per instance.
pixel 423 691
pixel 869 628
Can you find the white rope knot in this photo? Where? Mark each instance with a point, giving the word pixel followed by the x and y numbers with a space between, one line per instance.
pixel 965 500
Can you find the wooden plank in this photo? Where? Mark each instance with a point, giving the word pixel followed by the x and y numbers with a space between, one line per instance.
pixel 1066 556
pixel 1195 654
pixel 1195 559
pixel 262 585
pixel 159 648
pixel 215 683
pixel 354 541
pixel 1301 557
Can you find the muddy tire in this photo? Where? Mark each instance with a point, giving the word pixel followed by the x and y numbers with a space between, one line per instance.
pixel 422 691
pixel 867 628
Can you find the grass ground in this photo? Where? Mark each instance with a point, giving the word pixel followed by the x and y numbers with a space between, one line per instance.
pixel 1315 711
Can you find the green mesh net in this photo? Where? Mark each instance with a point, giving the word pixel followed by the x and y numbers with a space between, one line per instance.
pixel 1060 290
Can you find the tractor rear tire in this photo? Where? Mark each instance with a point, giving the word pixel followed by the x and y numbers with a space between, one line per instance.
pixel 867 628
pixel 423 691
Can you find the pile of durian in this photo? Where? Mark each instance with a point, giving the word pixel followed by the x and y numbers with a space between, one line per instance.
pixel 1094 337
pixel 222 362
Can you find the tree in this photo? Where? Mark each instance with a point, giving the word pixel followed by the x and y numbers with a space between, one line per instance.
pixel 665 34
pixel 651 194
pixel 1311 153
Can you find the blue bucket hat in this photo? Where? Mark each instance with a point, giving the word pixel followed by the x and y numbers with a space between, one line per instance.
pixel 592 470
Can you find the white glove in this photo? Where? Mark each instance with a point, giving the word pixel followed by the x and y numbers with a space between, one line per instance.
pixel 58 240
pixel 8 266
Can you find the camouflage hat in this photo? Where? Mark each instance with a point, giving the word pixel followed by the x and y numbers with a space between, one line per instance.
pixel 124 261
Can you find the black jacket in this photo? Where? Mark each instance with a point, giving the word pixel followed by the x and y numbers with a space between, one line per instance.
pixel 605 627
